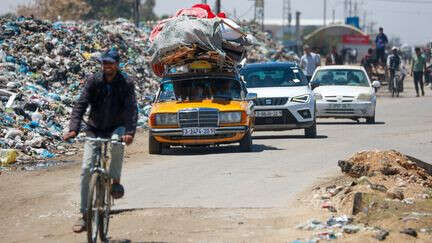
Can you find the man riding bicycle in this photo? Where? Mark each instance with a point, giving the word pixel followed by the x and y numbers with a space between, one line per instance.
pixel 113 113
pixel 393 64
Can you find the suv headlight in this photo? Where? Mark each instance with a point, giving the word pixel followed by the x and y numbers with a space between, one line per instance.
pixel 318 96
pixel 164 119
pixel 230 117
pixel 365 97
pixel 300 99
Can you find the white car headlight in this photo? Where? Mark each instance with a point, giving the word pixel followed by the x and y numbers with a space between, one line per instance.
pixel 300 99
pixel 365 97
pixel 318 96
pixel 164 119
pixel 230 117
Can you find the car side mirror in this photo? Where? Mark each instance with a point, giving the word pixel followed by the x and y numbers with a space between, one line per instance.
pixel 251 96
pixel 314 85
pixel 149 98
pixel 376 84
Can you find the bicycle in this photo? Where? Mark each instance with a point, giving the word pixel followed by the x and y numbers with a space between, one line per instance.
pixel 99 195
pixel 396 85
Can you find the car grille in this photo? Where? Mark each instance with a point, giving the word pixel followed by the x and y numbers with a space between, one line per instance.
pixel 200 117
pixel 343 99
pixel 271 101
pixel 286 118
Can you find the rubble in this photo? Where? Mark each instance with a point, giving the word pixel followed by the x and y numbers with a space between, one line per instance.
pixel 43 66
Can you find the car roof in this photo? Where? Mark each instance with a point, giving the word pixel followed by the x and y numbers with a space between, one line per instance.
pixel 270 64
pixel 347 67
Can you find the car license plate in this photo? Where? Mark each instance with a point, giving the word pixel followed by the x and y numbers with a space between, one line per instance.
pixel 276 113
pixel 198 131
pixel 339 106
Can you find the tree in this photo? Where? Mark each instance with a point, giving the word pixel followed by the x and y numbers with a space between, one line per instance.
pixel 54 9
pixel 110 9
pixel 147 10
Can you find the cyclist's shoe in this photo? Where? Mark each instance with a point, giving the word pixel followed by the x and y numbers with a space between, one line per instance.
pixel 80 225
pixel 117 190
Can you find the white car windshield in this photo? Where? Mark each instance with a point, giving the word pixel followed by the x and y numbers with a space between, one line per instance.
pixel 345 77
pixel 273 77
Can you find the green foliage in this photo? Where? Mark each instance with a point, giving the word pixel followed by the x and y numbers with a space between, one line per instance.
pixel 110 9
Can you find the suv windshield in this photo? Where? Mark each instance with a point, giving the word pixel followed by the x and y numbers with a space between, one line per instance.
pixel 346 77
pixel 199 89
pixel 273 77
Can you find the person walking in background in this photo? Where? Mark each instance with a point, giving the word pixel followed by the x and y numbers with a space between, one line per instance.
pixel 309 62
pixel 381 42
pixel 368 62
pixel 334 58
pixel 418 68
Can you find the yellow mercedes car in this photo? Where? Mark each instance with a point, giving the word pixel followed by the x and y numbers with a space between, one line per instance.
pixel 199 109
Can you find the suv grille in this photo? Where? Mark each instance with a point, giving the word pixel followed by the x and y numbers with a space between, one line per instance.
pixel 200 117
pixel 271 101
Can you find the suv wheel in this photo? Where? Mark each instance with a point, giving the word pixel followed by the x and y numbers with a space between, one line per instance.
pixel 154 146
pixel 246 143
pixel 370 120
pixel 311 132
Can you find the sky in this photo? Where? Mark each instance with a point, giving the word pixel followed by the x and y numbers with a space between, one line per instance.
pixel 407 19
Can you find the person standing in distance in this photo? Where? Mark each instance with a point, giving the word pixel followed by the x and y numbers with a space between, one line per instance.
pixel 309 62
pixel 417 70
pixel 381 42
pixel 113 113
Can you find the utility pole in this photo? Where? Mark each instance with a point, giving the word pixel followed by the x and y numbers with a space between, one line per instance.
pixel 325 13
pixel 259 13
pixel 218 6
pixel 286 16
pixel 137 12
pixel 333 16
pixel 298 31
pixel 204 1
pixel 350 8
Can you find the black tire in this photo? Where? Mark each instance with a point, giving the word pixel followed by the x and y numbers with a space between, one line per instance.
pixel 154 146
pixel 311 132
pixel 246 142
pixel 94 202
pixel 370 120
pixel 105 215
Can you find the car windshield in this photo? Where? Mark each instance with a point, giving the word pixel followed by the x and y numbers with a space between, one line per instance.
pixel 273 77
pixel 346 77
pixel 199 89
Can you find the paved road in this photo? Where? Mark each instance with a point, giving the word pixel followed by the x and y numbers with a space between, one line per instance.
pixel 282 164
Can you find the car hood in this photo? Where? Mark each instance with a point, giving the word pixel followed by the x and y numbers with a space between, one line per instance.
pixel 336 90
pixel 280 91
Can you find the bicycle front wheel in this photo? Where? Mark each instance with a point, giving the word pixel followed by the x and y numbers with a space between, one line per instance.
pixel 106 209
pixel 94 207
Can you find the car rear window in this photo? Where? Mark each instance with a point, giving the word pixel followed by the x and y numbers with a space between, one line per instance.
pixel 345 77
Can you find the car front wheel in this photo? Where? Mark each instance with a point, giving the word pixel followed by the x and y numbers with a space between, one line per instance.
pixel 311 132
pixel 246 143
pixel 154 146
pixel 370 120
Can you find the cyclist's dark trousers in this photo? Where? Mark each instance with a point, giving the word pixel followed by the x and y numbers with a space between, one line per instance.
pixel 418 80
pixel 380 55
pixel 90 149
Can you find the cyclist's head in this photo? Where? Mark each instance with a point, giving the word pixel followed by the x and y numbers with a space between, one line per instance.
pixel 370 51
pixel 381 29
pixel 110 62
pixel 417 50
pixel 395 50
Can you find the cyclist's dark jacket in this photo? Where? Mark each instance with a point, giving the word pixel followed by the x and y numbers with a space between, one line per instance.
pixel 112 105
pixel 394 62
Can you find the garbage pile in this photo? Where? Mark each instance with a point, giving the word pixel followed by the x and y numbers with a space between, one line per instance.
pixel 42 68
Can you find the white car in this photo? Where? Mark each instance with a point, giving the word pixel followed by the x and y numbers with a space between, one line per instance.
pixel 285 100
pixel 344 92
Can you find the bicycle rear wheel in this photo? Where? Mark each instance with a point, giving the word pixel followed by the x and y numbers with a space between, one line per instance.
pixel 94 207
pixel 105 214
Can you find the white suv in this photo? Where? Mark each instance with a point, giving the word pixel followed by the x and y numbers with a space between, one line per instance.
pixel 285 100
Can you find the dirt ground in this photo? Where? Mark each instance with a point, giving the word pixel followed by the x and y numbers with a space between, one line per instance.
pixel 41 206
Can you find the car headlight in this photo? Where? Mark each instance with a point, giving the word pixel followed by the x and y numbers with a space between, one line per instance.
pixel 165 119
pixel 365 97
pixel 230 117
pixel 318 96
pixel 300 99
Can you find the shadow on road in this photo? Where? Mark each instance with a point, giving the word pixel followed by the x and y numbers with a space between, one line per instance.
pixel 129 241
pixel 350 123
pixel 287 137
pixel 256 148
